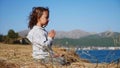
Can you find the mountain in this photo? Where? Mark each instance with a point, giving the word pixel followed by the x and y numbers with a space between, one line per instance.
pixel 106 38
pixel 23 33
pixel 82 38
pixel 74 34
pixel 105 34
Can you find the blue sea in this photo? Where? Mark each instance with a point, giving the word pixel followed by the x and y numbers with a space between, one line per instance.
pixel 100 56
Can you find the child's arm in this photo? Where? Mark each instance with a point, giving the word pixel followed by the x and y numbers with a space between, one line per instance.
pixel 42 40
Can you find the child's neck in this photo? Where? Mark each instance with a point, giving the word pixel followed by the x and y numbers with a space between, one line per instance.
pixel 38 24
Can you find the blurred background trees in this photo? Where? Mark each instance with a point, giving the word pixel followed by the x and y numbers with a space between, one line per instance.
pixel 10 37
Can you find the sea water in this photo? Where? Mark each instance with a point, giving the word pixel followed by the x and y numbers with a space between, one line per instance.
pixel 100 56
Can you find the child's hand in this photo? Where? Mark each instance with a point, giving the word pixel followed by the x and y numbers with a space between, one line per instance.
pixel 56 55
pixel 52 34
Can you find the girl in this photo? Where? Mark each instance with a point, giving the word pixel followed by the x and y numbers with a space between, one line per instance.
pixel 41 39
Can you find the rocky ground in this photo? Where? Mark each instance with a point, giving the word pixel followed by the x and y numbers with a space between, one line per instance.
pixel 19 56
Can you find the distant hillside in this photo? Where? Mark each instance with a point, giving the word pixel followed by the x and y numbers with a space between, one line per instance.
pixel 101 39
pixel 82 38
pixel 104 35
pixel 23 33
pixel 74 34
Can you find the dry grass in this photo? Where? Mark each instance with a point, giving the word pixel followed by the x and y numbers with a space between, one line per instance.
pixel 19 56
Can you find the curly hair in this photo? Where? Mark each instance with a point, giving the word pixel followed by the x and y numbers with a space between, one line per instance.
pixel 35 14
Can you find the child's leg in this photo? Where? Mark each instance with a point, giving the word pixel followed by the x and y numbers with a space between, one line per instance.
pixel 39 60
pixel 53 60
pixel 60 60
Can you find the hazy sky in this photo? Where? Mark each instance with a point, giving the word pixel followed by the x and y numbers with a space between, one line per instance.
pixel 87 15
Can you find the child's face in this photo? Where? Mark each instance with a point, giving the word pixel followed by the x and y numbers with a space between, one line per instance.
pixel 44 19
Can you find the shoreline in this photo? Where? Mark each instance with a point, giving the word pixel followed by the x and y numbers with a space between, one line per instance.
pixel 93 48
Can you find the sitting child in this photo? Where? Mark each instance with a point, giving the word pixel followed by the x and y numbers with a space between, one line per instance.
pixel 40 39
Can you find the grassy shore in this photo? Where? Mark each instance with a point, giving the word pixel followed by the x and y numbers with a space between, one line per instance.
pixel 19 56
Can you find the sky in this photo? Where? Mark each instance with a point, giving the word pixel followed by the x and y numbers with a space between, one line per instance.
pixel 65 15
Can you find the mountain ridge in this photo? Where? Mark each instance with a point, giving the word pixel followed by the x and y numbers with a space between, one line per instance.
pixel 74 34
pixel 101 39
